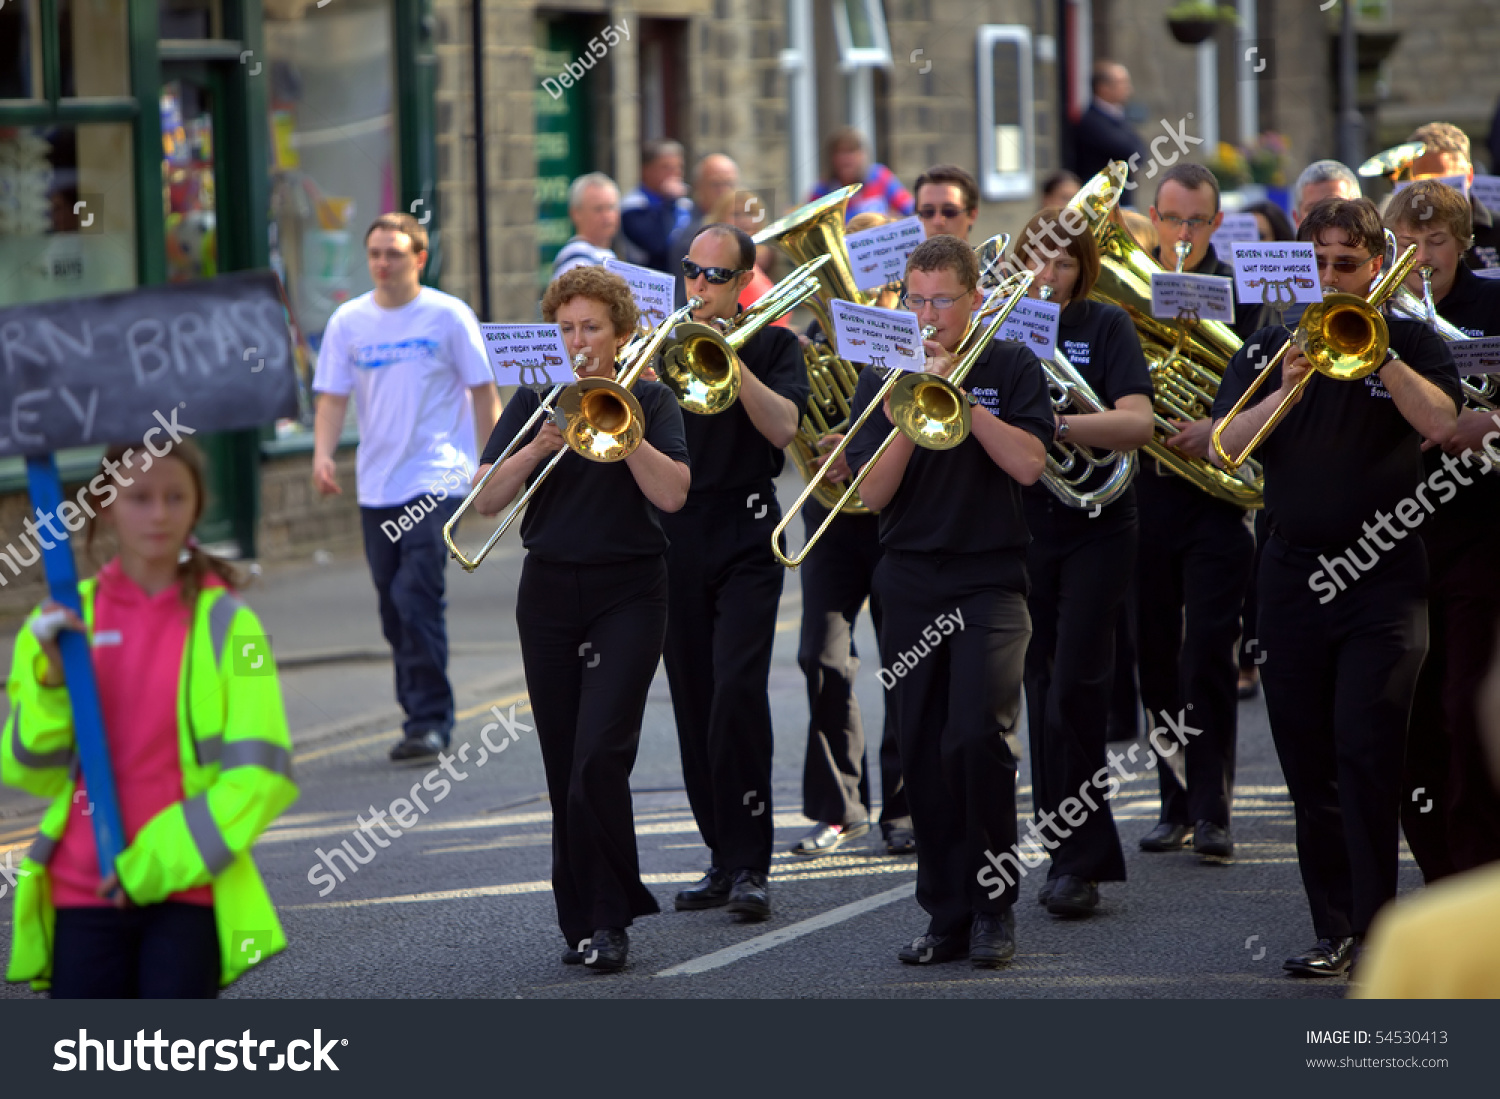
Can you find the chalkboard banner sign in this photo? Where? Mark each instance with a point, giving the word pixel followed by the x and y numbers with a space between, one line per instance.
pixel 89 371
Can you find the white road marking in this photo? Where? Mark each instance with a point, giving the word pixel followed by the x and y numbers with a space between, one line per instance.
pixel 731 954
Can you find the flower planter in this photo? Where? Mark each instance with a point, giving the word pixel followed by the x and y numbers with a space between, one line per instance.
pixel 1190 32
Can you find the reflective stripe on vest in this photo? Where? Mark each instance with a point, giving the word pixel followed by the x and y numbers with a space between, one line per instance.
pixel 259 753
pixel 220 616
pixel 42 848
pixel 37 760
pixel 214 851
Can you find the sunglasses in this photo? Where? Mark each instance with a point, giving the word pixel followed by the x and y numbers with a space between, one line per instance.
pixel 927 213
pixel 716 275
pixel 1342 266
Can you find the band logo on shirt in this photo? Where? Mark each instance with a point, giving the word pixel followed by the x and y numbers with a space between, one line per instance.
pixel 1077 352
pixel 1377 387
pixel 988 396
pixel 374 356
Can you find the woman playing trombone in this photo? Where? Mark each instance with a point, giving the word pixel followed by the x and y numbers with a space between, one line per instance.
pixel 592 614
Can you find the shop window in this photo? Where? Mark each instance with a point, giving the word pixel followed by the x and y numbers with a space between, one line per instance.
pixel 20 51
pixel 1007 154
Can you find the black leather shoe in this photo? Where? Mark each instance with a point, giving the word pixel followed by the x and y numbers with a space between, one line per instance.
pixel 605 950
pixel 1073 897
pixel 933 949
pixel 992 939
pixel 1044 894
pixel 1212 841
pixel 1329 958
pixel 749 896
pixel 900 841
pixel 711 891
pixel 572 957
pixel 425 745
pixel 1166 837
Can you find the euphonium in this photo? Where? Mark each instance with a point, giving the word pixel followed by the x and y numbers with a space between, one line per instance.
pixel 601 420
pixel 1187 361
pixel 699 362
pixel 1343 336
pixel 927 408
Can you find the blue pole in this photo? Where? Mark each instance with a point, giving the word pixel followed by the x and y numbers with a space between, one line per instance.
pixel 78 668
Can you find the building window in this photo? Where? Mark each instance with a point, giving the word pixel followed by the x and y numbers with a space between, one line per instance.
pixel 859 26
pixel 1007 150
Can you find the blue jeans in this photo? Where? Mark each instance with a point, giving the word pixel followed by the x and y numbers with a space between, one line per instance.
pixel 406 563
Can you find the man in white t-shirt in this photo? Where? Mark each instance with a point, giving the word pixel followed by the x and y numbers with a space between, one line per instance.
pixel 414 358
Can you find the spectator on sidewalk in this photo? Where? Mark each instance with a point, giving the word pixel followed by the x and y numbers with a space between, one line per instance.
pixel 415 361
pixel 1103 133
pixel 659 206
pixel 849 163
pixel 1319 180
pixel 198 746
pixel 1060 187
pixel 594 207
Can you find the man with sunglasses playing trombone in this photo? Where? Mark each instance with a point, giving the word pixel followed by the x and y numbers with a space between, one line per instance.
pixel 1343 605
pixel 726 586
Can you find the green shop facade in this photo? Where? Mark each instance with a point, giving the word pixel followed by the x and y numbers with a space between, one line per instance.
pixel 149 141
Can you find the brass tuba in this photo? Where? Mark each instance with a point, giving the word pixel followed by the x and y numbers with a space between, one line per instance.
pixel 811 232
pixel 1187 360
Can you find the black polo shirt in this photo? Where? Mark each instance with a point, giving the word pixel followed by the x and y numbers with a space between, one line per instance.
pixel 959 500
pixel 728 452
pixel 1101 342
pixel 1472 304
pixel 1248 316
pixel 592 513
pixel 1344 452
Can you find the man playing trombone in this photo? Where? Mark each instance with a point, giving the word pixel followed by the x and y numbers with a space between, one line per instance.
pixel 1343 605
pixel 952 582
pixel 726 585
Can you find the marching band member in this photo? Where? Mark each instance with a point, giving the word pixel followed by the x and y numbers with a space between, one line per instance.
pixel 1080 563
pixel 1460 827
pixel 591 611
pixel 1447 154
pixel 835 584
pixel 1194 564
pixel 1343 611
pixel 726 584
pixel 952 582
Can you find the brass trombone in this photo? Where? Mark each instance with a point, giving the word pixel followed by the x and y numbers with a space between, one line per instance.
pixel 1343 336
pixel 927 408
pixel 601 420
pixel 699 362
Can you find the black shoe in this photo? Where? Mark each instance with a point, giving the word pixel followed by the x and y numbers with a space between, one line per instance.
pixel 1073 897
pixel 1249 685
pixel 606 950
pixel 424 745
pixel 1212 842
pixel 1329 958
pixel 1166 837
pixel 572 957
pixel 749 896
pixel 1355 957
pixel 933 949
pixel 828 838
pixel 992 939
pixel 900 841
pixel 1044 894
pixel 711 891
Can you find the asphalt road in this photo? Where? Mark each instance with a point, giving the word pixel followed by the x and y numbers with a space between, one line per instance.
pixel 460 906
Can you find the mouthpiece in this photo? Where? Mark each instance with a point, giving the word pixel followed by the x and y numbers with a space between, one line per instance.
pixel 928 331
pixel 580 360
pixel 1046 293
pixel 1182 248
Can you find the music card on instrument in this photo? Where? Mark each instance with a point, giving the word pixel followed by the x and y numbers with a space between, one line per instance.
pixel 1477 356
pixel 653 290
pixel 1204 297
pixel 1276 273
pixel 879 254
pixel 1459 183
pixel 1486 272
pixel 1235 227
pixel 1487 190
pixel 527 354
pixel 1033 323
pixel 880 337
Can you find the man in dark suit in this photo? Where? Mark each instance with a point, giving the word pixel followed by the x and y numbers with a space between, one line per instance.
pixel 1102 133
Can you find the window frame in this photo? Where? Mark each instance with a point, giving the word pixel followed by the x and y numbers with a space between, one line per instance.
pixel 995 185
pixel 852 57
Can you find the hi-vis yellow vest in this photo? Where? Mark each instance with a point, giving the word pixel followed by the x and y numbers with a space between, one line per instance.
pixel 235 753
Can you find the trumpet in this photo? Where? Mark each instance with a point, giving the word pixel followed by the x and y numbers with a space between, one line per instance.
pixel 600 420
pixel 1343 336
pixel 927 408
pixel 700 363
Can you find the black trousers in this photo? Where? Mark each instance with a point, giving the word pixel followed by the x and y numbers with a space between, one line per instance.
pixel 721 623
pixel 1339 679
pixel 1195 558
pixel 955 707
pixel 167 951
pixel 590 639
pixel 1453 824
pixel 836 581
pixel 1250 654
pixel 1078 582
pixel 1125 697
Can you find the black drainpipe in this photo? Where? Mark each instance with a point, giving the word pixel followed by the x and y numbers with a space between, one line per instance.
pixel 481 187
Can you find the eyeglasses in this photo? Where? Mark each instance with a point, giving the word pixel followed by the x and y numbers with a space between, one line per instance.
pixel 914 302
pixel 716 275
pixel 1342 266
pixel 927 213
pixel 1193 224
